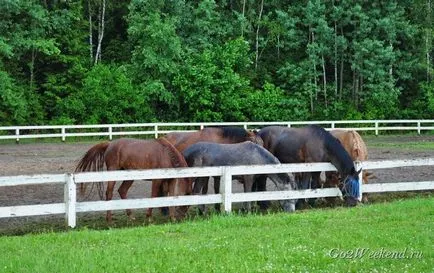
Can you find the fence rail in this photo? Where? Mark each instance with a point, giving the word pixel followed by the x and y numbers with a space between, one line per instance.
pixel 71 207
pixel 158 129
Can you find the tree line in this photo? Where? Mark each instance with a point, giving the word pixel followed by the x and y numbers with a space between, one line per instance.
pixel 102 61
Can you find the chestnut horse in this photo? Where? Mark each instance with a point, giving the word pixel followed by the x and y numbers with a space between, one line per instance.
pixel 312 144
pixel 223 135
pixel 356 148
pixel 129 154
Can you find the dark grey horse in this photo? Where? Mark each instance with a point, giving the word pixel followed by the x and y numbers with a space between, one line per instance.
pixel 312 144
pixel 245 153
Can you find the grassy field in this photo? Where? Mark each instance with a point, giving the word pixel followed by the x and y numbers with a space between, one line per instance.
pixel 389 237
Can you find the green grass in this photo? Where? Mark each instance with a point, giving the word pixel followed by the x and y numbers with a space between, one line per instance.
pixel 306 241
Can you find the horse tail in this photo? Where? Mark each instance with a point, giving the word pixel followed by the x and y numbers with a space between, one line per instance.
pixel 92 161
pixel 177 159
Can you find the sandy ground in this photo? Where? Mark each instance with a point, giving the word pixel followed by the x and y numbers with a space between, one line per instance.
pixel 42 158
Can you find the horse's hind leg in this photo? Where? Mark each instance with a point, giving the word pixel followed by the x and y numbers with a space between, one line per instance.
pixel 155 191
pixel 304 183
pixel 315 184
pixel 248 183
pixel 260 184
pixel 109 196
pixel 163 190
pixel 123 190
pixel 217 190
pixel 172 209
pixel 201 185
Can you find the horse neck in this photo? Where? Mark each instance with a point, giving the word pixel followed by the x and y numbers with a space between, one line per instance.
pixel 175 156
pixel 177 160
pixel 339 157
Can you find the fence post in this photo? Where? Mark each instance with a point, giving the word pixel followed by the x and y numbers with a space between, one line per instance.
pixel 358 166
pixel 226 190
pixel 63 134
pixel 17 134
pixel 156 131
pixel 110 131
pixel 376 128
pixel 418 127
pixel 70 200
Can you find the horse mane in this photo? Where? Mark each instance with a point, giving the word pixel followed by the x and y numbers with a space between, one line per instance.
pixel 335 148
pixel 236 133
pixel 177 160
pixel 359 146
pixel 175 156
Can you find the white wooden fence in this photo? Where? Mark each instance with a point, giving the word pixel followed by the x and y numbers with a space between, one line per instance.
pixel 157 129
pixel 71 207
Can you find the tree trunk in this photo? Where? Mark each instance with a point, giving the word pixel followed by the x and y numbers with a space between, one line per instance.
pixel 428 42
pixel 324 80
pixel 244 18
pixel 90 31
pixel 32 69
pixel 257 35
pixel 341 73
pixel 336 61
pixel 314 68
pixel 360 93
pixel 311 100
pixel 278 46
pixel 100 32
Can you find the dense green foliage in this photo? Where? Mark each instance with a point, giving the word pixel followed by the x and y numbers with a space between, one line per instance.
pixel 99 61
pixel 389 237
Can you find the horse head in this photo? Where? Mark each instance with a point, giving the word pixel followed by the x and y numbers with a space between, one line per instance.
pixel 285 182
pixel 350 188
pixel 254 137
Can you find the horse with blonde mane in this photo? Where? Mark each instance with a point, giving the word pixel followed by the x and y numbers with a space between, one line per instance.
pixel 356 148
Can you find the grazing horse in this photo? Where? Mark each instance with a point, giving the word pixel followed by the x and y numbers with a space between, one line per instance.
pixel 130 154
pixel 356 148
pixel 245 153
pixel 224 135
pixel 312 144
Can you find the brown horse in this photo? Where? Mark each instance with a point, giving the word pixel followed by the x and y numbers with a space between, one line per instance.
pixel 222 135
pixel 129 154
pixel 356 148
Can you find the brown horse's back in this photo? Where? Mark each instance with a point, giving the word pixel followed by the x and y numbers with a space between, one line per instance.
pixel 222 135
pixel 127 154
pixel 181 141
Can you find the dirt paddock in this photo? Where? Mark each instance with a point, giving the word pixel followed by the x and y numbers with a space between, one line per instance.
pixel 43 158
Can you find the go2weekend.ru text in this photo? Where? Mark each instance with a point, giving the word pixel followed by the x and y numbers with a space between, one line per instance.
pixel 382 253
